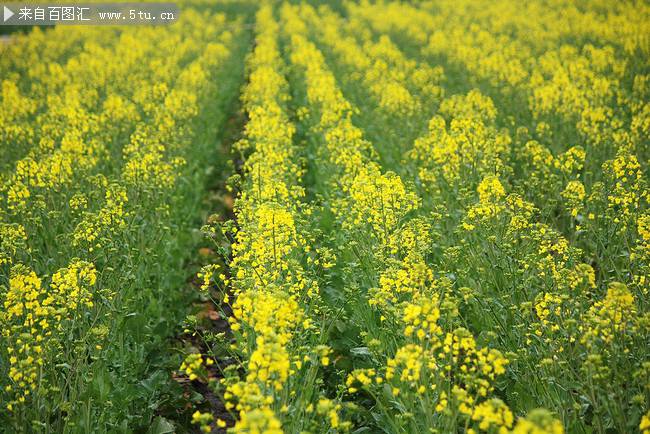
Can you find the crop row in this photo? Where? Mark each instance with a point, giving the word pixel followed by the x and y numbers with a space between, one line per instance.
pixel 104 169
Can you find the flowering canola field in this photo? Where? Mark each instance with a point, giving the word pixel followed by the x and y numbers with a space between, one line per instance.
pixel 431 217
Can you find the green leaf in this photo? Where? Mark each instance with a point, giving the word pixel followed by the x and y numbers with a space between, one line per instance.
pixel 161 425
